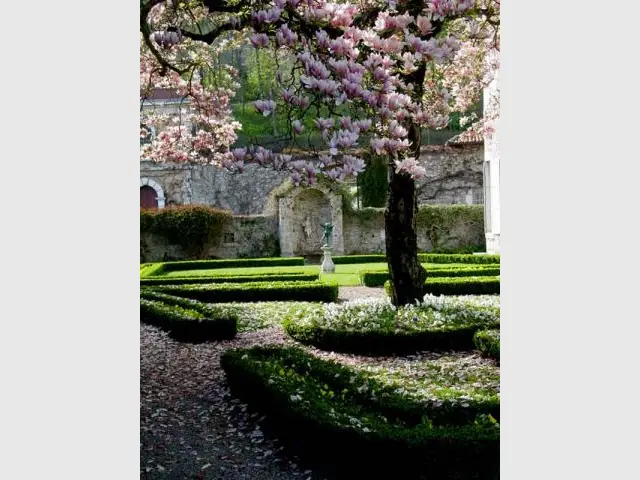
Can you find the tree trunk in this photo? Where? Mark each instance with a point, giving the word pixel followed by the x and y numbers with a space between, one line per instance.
pixel 407 275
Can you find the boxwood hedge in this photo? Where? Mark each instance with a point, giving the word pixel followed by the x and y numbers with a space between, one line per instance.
pixel 488 342
pixel 372 278
pixel 458 286
pixel 255 291
pixel 320 410
pixel 378 328
pixel 232 263
pixel 184 322
pixel 422 257
pixel 267 277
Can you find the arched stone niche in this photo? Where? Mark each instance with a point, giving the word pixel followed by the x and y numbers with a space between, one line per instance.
pixel 302 212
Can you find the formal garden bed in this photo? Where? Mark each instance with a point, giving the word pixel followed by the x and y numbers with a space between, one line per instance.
pixel 342 387
pixel 376 327
pixel 325 410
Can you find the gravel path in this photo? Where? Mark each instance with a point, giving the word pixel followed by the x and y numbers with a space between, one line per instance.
pixel 190 426
pixel 352 293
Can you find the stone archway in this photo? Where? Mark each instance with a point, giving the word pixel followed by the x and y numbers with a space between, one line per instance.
pixel 302 212
pixel 148 182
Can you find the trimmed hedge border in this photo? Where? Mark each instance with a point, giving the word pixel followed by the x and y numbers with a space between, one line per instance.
pixel 458 258
pixel 376 343
pixel 152 269
pixel 185 323
pixel 458 286
pixel 312 422
pixel 488 342
pixel 422 257
pixel 276 277
pixel 233 263
pixel 371 278
pixel 255 292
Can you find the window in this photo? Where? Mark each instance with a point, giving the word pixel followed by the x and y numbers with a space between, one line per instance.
pixel 229 237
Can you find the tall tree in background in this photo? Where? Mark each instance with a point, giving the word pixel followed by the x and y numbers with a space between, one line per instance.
pixel 399 67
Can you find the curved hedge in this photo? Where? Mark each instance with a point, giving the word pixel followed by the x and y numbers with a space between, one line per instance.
pixel 377 328
pixel 188 324
pixel 488 342
pixel 326 412
pixel 372 278
pixel 255 292
pixel 267 277
pixel 458 286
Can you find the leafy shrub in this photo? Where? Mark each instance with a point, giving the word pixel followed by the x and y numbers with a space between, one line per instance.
pixel 422 257
pixel 488 342
pixel 251 316
pixel 376 327
pixel 188 322
pixel 353 259
pixel 458 286
pixel 232 263
pixel 458 258
pixel 193 227
pixel 326 410
pixel 267 277
pixel 255 292
pixel 372 278
pixel 439 222
pixel 373 182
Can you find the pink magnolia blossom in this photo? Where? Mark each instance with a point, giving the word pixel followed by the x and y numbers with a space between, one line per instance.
pixel 297 127
pixel 265 107
pixel 324 123
pixel 410 167
pixel 364 66
pixel 259 40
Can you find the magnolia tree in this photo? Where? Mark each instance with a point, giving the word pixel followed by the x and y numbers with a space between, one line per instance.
pixel 370 75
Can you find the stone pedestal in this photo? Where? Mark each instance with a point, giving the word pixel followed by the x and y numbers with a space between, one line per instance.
pixel 327 264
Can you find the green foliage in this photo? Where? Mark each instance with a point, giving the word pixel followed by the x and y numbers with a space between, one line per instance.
pixel 488 342
pixel 377 278
pixel 327 410
pixel 232 263
pixel 193 227
pixel 251 316
pixel 373 182
pixel 151 269
pixel 353 259
pixel 458 258
pixel 438 221
pixel 255 292
pixel 458 286
pixel 422 257
pixel 187 322
pixel 378 328
pixel 272 277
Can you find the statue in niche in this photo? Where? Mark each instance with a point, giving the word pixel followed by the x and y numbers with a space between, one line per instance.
pixel 307 228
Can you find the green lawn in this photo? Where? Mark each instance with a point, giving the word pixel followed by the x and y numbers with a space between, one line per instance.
pixel 345 275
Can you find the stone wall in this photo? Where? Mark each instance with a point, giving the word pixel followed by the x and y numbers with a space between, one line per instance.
pixel 454 175
pixel 247 236
pixel 364 233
